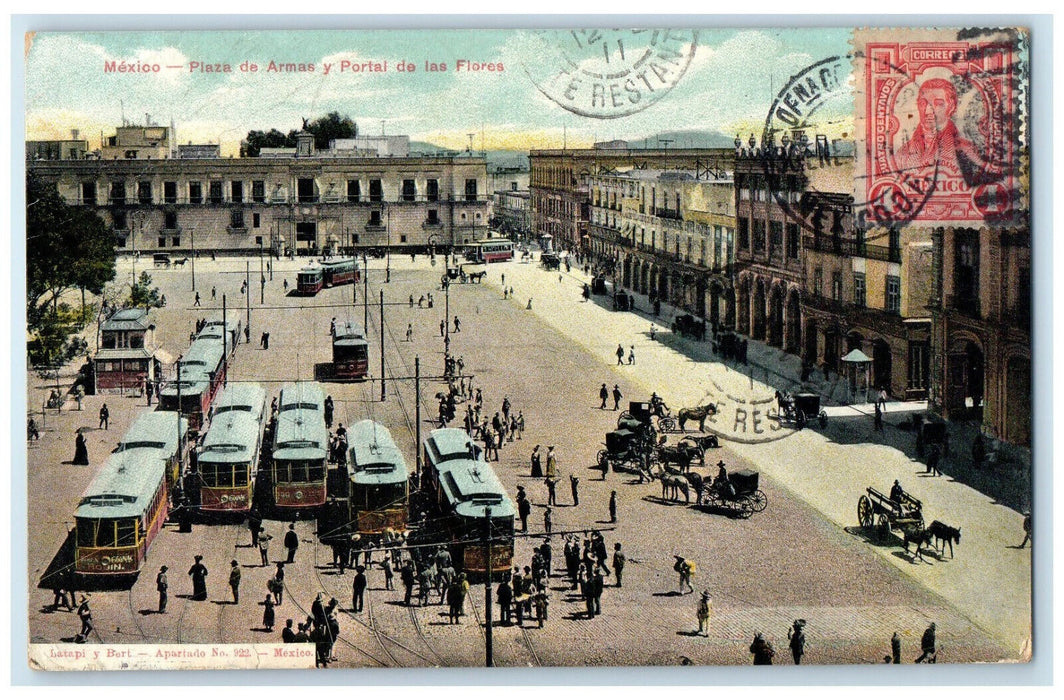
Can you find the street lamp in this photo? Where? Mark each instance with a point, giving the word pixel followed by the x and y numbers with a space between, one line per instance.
pixel 388 249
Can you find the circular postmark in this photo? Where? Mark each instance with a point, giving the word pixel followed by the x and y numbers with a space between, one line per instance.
pixel 609 73
pixel 745 420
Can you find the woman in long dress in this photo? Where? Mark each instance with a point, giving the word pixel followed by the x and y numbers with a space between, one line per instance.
pixel 537 464
pixel 81 449
pixel 198 572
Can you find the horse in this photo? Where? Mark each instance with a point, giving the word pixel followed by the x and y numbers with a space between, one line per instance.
pixel 699 413
pixel 944 534
pixel 916 535
pixel 703 442
pixel 477 277
pixel 675 454
pixel 695 480
pixel 179 263
pixel 672 485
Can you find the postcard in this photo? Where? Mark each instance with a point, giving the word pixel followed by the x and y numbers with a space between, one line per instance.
pixel 513 347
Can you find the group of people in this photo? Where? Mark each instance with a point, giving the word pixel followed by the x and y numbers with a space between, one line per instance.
pixel 505 425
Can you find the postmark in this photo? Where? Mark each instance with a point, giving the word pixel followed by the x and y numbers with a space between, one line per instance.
pixel 938 119
pixel 609 73
pixel 746 420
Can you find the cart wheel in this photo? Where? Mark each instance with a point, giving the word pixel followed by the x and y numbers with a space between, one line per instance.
pixel 746 508
pixel 760 500
pixel 667 425
pixel 625 415
pixel 882 527
pixel 865 512
pixel 603 458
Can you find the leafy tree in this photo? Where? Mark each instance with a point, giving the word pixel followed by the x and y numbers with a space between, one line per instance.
pixel 332 126
pixel 143 294
pixel 257 140
pixel 54 341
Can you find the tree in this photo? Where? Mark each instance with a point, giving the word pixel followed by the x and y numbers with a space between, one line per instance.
pixel 143 294
pixel 257 140
pixel 332 126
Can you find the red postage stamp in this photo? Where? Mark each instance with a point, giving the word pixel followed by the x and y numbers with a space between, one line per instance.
pixel 940 126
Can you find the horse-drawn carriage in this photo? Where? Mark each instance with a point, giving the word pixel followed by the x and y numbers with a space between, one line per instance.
pixel 646 411
pixel 550 261
pixel 738 493
pixel 799 409
pixel 688 325
pixel 623 301
pixel 625 450
pixel 899 511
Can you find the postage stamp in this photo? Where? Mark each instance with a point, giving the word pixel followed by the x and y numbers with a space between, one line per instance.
pixel 939 123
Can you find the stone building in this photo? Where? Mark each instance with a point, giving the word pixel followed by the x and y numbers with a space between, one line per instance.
pixel 512 213
pixel 126 358
pixel 304 202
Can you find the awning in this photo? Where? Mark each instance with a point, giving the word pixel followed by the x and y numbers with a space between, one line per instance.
pixel 856 355
pixel 165 357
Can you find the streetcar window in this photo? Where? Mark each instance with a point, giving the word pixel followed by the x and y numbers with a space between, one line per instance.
pixel 240 478
pixel 299 472
pixel 280 471
pixel 87 532
pixel 223 475
pixel 315 472
pixel 127 532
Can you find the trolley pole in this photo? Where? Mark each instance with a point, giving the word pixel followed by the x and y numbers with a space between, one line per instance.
pixel 417 416
pixel 180 437
pixel 247 283
pixel 262 277
pixel 225 343
pixel 365 296
pixel 489 661
pixel 382 345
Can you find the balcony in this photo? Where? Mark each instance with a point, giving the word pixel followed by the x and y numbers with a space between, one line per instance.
pixel 432 224
pixel 663 213
pixel 378 226
pixel 852 248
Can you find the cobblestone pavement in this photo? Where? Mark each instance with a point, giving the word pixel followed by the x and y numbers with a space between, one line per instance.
pixel 801 557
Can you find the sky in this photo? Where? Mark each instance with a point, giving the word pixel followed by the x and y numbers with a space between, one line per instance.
pixel 728 85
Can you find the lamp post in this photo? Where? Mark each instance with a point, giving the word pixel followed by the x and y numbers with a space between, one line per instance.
pixel 262 277
pixel 192 237
pixel 388 250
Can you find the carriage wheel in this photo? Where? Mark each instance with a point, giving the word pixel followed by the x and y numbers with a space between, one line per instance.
pixel 882 527
pixel 625 415
pixel 865 512
pixel 746 508
pixel 759 500
pixel 667 425
pixel 602 458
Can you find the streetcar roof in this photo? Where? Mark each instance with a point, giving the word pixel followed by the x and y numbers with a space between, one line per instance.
pixel 231 438
pixel 300 434
pixel 471 485
pixel 444 444
pixel 195 381
pixel 310 271
pixel 204 352
pixel 374 457
pixel 124 486
pixel 301 395
pixel 348 330
pixel 156 430
pixel 244 397
pixel 343 262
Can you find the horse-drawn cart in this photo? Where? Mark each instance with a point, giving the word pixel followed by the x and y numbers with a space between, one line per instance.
pixel 883 513
pixel 645 411
pixel 799 409
pixel 625 450
pixel 739 493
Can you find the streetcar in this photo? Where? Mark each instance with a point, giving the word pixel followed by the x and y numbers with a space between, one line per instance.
pixel 215 330
pixel 309 281
pixel 491 250
pixel 463 487
pixel 163 431
pixel 378 483
pixel 229 456
pixel 350 352
pixel 298 468
pixel 120 514
pixel 341 271
pixel 201 373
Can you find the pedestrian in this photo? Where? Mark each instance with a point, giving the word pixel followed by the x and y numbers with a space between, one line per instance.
pixel 933 457
pixel 551 484
pixel 455 600
pixel 443 326
pixel 457 325
pixel 288 635
pixel 411 301
pixel 604 394
pixel 613 506
pixel 762 651
pixel 105 417
pixel 504 595
pixel 1026 529
pixel 358 589
pixel 81 449
pixel 524 508
pixel 685 568
pixel 286 284
pixel 617 397
pixel 620 354
pixel 552 462
pixel 878 419
pixel 85 615
pixel 198 572
pixel 197 302
pixel 597 584
pixel 927 645
pixel 796 637
pixel 895 648
pixel 31 430
pixel 520 423
pixel 528 306
pixel 291 542
pixel 704 607
pixel 163 587
pixel 328 407
pixel 276 584
pixel 631 355
pixel 547 520
pixel 574 485
pixel 618 562
pixel 264 545
pixel 267 614
pixel 389 575
pixel 234 581
pixel 537 465
pixel 409 331
pixel 247 334
pixel 408 577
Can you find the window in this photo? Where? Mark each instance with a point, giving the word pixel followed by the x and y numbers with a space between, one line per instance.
pixel 305 189
pixel 175 241
pixel 818 282
pixel 966 267
pixel 255 220
pixel 375 218
pixel 836 286
pixel 409 191
pixel 376 192
pixel 354 190
pixel 131 155
pixel 258 191
pixel 170 220
pixel 236 187
pixel 402 238
pixel 432 190
pixel 792 241
pixel 144 192
pixel 258 240
pixel 162 241
pixel 894 241
pixel 471 190
pixel 744 233
pixel 759 236
pixel 88 193
pixel 893 294
pixel 434 217
pixel 354 238
pixel 195 193
pixel 120 221
pixel 919 363
pixel 236 218
pixel 775 231
pixel 859 289
pixel 170 192
pixel 118 193
pixel 215 192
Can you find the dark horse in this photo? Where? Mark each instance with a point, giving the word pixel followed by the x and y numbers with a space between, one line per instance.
pixel 698 413
pixel 944 534
pixel 917 535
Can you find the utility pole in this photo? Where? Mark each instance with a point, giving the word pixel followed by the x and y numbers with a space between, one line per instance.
pixel 247 297
pixel 489 661
pixel 365 296
pixel 417 416
pixel 262 277
pixel 225 343
pixel 177 383
pixel 192 237
pixel 382 346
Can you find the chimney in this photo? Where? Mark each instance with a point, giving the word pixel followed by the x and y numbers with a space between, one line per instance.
pixel 147 119
pixel 73 134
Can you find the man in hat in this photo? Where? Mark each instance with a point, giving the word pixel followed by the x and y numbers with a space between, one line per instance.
pixel 895 648
pixel 85 615
pixel 927 645
pixel 264 545
pixel 797 641
pixel 618 562
pixel 198 572
pixel 762 651
pixel 358 589
pixel 551 483
pixel 613 506
pixel 703 613
pixel 291 542
pixel 162 586
pixel 234 581
pixel 896 492
pixel 1026 529
pixel 524 508
pixel 616 397
pixel 604 394
pixel 574 488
